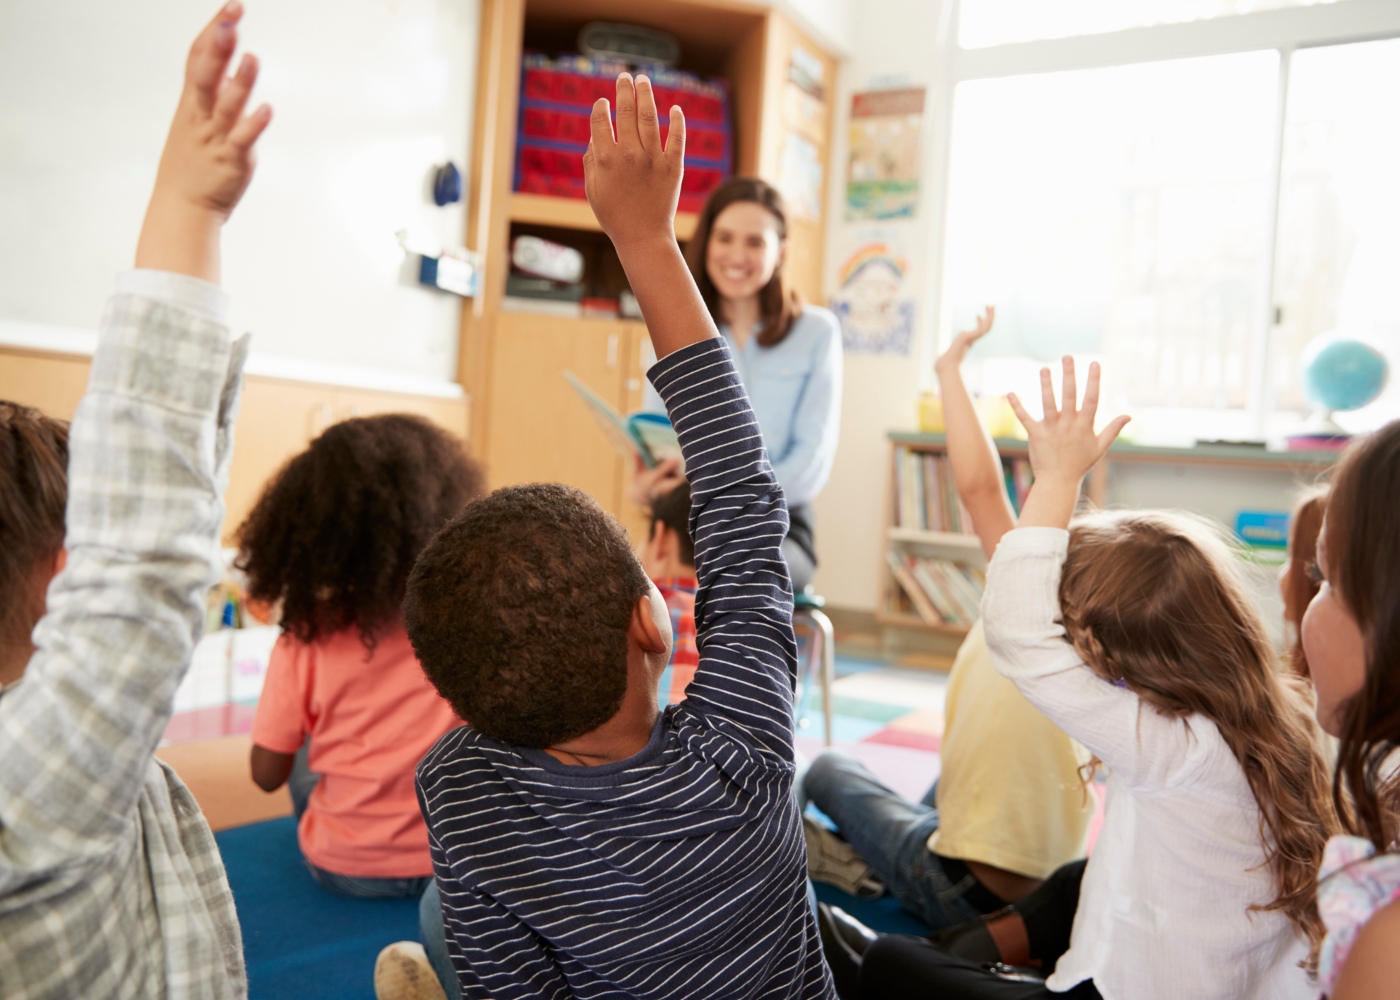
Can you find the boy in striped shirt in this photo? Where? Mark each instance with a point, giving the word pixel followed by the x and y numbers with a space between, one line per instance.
pixel 585 842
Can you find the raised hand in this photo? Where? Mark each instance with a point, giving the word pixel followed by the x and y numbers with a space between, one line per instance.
pixel 208 158
pixel 632 182
pixel 956 353
pixel 1063 444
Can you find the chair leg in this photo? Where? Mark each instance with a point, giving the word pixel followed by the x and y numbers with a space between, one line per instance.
pixel 801 622
pixel 828 665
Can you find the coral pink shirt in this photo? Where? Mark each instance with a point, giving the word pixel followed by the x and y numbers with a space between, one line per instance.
pixel 370 719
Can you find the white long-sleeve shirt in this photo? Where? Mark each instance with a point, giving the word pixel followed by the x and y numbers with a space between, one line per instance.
pixel 1164 909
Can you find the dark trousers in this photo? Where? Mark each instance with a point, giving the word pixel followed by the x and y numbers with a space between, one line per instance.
pixel 896 967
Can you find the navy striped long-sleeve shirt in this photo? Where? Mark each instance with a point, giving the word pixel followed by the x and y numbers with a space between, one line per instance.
pixel 681 871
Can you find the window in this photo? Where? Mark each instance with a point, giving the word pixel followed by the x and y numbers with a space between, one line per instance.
pixel 1337 268
pixel 1189 221
pixel 1001 22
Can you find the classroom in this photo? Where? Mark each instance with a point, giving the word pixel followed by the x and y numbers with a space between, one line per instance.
pixel 652 499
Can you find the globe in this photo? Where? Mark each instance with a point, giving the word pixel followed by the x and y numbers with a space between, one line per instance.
pixel 1341 374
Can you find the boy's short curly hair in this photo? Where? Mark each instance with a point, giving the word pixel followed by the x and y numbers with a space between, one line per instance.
pixel 335 533
pixel 519 610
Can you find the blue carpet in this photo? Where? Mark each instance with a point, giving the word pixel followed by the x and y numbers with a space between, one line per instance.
pixel 883 914
pixel 300 941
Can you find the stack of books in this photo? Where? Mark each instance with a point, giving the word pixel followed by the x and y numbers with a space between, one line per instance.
pixel 926 498
pixel 941 591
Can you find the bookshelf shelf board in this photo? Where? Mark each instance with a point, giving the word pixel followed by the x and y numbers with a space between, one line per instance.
pixel 574 213
pixel 903 620
pixel 1122 451
pixel 947 539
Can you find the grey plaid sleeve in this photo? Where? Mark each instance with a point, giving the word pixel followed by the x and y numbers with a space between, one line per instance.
pixel 148 459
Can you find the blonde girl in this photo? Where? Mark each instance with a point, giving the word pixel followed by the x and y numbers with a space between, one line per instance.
pixel 1132 631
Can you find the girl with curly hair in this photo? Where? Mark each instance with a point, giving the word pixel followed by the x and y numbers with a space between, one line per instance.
pixel 331 542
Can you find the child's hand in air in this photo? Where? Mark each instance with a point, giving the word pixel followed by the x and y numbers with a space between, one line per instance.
pixel 649 484
pixel 208 158
pixel 1063 445
pixel 952 359
pixel 633 184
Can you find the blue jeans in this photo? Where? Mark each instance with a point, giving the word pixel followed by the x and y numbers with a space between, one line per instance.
pixel 299 784
pixel 891 834
pixel 435 940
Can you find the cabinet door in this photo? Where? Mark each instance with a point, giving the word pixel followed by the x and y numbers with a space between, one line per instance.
pixel 49 382
pixel 539 429
pixel 450 414
pixel 276 420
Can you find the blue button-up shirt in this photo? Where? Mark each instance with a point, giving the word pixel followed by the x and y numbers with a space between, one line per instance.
pixel 795 389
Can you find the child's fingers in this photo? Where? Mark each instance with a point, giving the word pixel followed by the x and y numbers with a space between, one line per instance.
pixel 1069 388
pixel 675 141
pixel 1111 432
pixel 648 128
pixel 228 108
pixel 246 132
pixel 1091 392
pixel 210 53
pixel 1047 395
pixel 600 125
pixel 1027 421
pixel 626 111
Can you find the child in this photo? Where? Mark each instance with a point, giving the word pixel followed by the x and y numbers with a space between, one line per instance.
pixel 668 557
pixel 586 843
pixel 1132 631
pixel 1300 577
pixel 332 540
pixel 1351 633
pixel 1008 808
pixel 110 881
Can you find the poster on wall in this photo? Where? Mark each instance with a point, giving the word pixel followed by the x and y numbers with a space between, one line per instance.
pixel 882 178
pixel 873 301
pixel 800 176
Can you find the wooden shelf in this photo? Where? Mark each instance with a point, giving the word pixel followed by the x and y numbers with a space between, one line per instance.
pixel 574 213
pixel 1124 451
pixel 948 539
pixel 905 620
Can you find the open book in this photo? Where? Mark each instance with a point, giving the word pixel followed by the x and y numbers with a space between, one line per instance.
pixel 648 436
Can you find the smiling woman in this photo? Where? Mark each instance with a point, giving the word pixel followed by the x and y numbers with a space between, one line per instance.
pixel 788 354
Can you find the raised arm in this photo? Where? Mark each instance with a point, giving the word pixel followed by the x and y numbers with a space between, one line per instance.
pixel 977 472
pixel 149 452
pixel 743 607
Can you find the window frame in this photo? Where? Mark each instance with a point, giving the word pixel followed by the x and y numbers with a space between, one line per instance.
pixel 1286 30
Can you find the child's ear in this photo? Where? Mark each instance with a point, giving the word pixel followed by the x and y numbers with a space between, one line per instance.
pixel 642 629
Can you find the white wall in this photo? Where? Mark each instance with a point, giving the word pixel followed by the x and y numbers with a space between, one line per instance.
pixel 893 43
pixel 367 96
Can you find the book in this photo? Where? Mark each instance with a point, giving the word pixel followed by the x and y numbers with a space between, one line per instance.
pixel 648 436
pixel 913 591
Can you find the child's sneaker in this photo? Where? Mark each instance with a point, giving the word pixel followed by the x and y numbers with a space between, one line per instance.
pixel 835 862
pixel 402 972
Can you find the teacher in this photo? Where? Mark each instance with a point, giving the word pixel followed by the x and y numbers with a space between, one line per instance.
pixel 788 354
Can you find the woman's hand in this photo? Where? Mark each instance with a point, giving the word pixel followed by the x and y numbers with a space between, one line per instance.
pixel 951 359
pixel 649 484
pixel 1063 446
pixel 633 183
pixel 208 158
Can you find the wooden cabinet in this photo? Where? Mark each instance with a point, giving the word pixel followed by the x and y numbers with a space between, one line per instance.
pixel 528 425
pixel 277 417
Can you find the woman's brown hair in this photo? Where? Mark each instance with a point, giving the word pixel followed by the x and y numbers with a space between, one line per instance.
pixel 335 533
pixel 1363 564
pixel 1302 586
pixel 778 305
pixel 33 497
pixel 1154 601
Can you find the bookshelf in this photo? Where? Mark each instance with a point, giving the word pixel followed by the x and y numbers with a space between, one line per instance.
pixel 526 424
pixel 924 522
